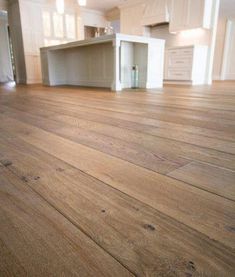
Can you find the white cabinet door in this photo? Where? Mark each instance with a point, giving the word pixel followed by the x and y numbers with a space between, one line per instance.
pixel 195 14
pixel 178 17
pixel 190 14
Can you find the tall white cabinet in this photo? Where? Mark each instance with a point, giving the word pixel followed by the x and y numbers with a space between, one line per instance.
pixel 190 14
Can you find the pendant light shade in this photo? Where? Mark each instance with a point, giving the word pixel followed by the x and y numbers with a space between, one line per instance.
pixel 82 2
pixel 60 6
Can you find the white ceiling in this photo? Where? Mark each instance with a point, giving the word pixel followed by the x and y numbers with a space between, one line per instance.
pixel 103 5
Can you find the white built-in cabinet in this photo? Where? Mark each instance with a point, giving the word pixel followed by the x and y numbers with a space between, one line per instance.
pixel 186 64
pixel 136 16
pixel 32 34
pixel 190 14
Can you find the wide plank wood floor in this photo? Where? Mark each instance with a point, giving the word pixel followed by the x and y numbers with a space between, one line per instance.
pixel 94 183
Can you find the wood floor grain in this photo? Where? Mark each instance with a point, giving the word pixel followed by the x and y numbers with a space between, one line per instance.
pixel 215 179
pixel 138 183
pixel 36 240
pixel 196 208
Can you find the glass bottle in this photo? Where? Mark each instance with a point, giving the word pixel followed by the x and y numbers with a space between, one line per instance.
pixel 135 77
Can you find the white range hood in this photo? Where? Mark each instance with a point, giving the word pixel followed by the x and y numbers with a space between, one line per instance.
pixel 156 12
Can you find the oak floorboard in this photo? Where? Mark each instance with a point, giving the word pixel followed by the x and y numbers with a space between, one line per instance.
pixel 147 242
pixel 196 208
pixel 155 98
pixel 101 162
pixel 60 101
pixel 36 240
pixel 144 117
pixel 126 150
pixel 150 110
pixel 201 137
pixel 171 150
pixel 211 178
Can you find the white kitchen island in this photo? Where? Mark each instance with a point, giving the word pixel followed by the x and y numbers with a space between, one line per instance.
pixel 104 62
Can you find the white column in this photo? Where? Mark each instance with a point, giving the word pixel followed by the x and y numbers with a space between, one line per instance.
pixel 211 49
pixel 155 65
pixel 116 85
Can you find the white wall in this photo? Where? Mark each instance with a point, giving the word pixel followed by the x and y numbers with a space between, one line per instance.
pixel 190 37
pixel 227 11
pixel 6 73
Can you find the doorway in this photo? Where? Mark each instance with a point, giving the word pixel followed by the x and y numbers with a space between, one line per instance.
pixel 6 56
pixel 228 66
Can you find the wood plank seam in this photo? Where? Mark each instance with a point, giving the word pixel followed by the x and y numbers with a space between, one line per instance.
pixel 69 219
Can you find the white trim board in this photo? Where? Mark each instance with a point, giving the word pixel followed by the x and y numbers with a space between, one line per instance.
pixel 211 49
pixel 224 75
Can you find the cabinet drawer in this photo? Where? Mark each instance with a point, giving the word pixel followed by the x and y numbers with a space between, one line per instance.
pixel 179 61
pixel 182 52
pixel 174 52
pixel 183 75
pixel 186 51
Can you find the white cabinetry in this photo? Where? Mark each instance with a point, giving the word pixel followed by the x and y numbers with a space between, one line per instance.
pixel 190 14
pixel 178 15
pixel 32 34
pixel 186 64
pixel 156 11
